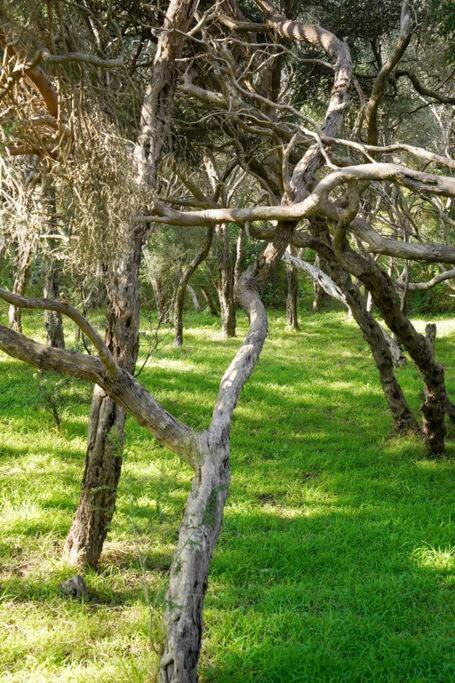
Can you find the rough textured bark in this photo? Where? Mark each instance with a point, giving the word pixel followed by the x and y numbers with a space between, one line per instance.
pixel 226 294
pixel 179 298
pixel 430 334
pixel 103 460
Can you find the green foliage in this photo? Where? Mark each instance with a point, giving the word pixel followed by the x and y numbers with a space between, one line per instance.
pixel 335 560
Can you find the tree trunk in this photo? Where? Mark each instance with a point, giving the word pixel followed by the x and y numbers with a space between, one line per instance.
pixel 204 509
pixel 292 281
pixel 226 293
pixel 342 288
pixel 319 294
pixel 179 299
pixel 103 460
pixel 206 293
pixel 198 535
pixel 160 299
pixel 53 322
pixel 373 334
pixel 430 334
pixel 21 278
pixel 194 298
pixel 104 452
pixel 385 298
pixel 240 247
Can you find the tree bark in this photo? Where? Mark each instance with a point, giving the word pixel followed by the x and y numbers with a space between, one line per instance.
pixel 292 281
pixel 160 299
pixel 403 419
pixel 53 322
pixel 179 299
pixel 226 293
pixel 21 279
pixel 209 300
pixel 103 460
pixel 106 431
pixel 198 535
pixel 319 293
pixel 337 283
pixel 385 298
pixel 194 298
pixel 204 509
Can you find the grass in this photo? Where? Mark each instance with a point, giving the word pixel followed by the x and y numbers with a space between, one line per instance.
pixel 335 561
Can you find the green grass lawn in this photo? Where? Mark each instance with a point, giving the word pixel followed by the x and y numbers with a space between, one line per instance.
pixel 335 562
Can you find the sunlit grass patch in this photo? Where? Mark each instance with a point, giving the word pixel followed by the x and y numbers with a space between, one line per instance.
pixel 439 559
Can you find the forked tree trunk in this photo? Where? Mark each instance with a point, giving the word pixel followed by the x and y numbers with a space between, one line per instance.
pixel 403 419
pixel 103 460
pixel 179 299
pixel 292 281
pixel 226 294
